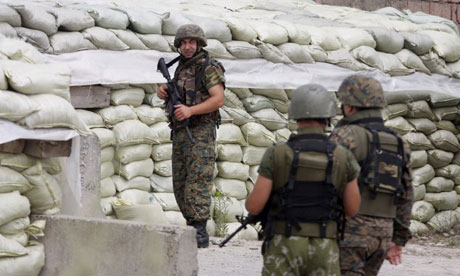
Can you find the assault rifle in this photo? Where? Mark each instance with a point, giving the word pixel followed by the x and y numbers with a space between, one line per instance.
pixel 249 219
pixel 173 93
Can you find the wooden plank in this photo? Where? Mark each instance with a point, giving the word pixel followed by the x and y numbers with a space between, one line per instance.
pixel 46 149
pixel 16 146
pixel 91 96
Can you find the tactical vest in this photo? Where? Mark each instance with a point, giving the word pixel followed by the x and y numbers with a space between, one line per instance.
pixel 304 200
pixel 189 77
pixel 380 180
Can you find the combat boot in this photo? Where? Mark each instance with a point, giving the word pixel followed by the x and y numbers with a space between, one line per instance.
pixel 202 237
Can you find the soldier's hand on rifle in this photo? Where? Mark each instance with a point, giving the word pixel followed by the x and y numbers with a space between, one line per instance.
pixel 182 112
pixel 161 92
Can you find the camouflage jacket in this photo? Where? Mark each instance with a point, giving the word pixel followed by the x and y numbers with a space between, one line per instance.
pixel 398 228
pixel 185 78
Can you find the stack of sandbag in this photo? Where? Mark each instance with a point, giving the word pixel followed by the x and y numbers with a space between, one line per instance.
pixel 427 121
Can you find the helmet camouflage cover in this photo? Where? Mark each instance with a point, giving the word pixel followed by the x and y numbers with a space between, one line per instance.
pixel 361 91
pixel 312 101
pixel 190 31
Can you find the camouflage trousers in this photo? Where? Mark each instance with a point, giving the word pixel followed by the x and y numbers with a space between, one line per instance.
pixel 193 168
pixel 362 255
pixel 301 256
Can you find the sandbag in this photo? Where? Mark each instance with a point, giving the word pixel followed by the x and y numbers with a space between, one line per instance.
pixel 280 105
pixel 446 45
pixel 153 100
pixel 439 158
pixel 45 197
pixel 115 114
pixel 387 41
pixel 451 171
pixel 296 33
pixel 151 115
pixel 107 154
pixel 129 38
pixel 232 100
pixel 418 158
pixel 136 168
pixel 418 43
pixel 13 206
pixel 155 42
pixel 107 187
pixel 15 106
pixel 445 113
pixel 422 175
pixel 104 39
pixel 176 218
pixel 279 94
pixel 258 102
pixel 418 228
pixel 443 100
pixel 343 58
pixel 212 28
pixel 447 125
pixel 272 53
pixel 230 134
pixel 107 169
pixel 167 201
pixel 53 112
pixel 420 109
pixel 296 53
pixel 454 67
pixel 138 183
pixel 242 93
pixel 7 30
pixel 32 79
pixel 231 208
pixel 161 184
pixel 395 97
pixel 106 17
pixel 163 168
pixel 37 18
pixel 253 155
pixel 70 42
pixel 411 60
pixel 133 132
pixel 423 125
pixel 257 135
pixel 161 132
pixel 445 140
pixel 241 30
pixel 422 211
pixel 229 152
pixel 19 50
pixel 435 64
pixel 269 32
pixel 270 119
pixel 173 22
pixel 216 49
pixel 385 62
pixel 439 184
pixel 162 152
pixel 442 201
pixel 249 234
pixel 400 125
pixel 145 22
pixel 324 37
pixel 9 15
pixel 35 37
pixel 11 180
pixel 418 141
pixel 106 136
pixel 135 196
pixel 147 213
pixel 90 119
pixel 127 154
pixel 419 192
pixel 72 20
pixel 106 205
pixel 232 170
pixel 394 110
pixel 351 38
pixel 253 173
pixel 444 221
pixel 21 162
pixel 282 135
pixel 316 52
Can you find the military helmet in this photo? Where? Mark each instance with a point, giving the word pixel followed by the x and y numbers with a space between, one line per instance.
pixel 312 101
pixel 361 91
pixel 190 31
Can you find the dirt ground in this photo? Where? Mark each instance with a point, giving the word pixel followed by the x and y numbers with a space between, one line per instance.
pixel 434 254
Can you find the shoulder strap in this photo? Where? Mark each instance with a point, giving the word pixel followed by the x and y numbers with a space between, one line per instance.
pixel 199 77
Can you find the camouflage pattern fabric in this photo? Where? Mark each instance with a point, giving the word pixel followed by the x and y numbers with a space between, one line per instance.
pixel 190 31
pixel 301 256
pixel 193 167
pixel 361 91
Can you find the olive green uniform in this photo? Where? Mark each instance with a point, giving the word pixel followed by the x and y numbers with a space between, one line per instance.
pixel 305 253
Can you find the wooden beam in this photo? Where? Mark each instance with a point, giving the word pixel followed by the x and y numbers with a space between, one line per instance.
pixel 46 149
pixel 91 96
pixel 16 146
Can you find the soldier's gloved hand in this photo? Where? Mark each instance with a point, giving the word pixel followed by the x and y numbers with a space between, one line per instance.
pixel 394 255
pixel 162 92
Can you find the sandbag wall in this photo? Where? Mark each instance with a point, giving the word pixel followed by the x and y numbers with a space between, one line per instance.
pixel 429 122
pixel 288 32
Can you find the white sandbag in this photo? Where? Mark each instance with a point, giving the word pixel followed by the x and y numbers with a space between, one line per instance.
pixel 161 132
pixel 7 30
pixel 72 20
pixel 36 17
pixel 445 113
pixel 324 37
pixel 107 169
pixel 444 221
pixel 138 183
pixel 419 192
pixel 216 49
pixel 258 102
pixel 91 119
pixel 411 60
pixel 418 228
pixel 54 111
pixel 418 158
pixel 129 38
pixel 271 53
pixel 212 28
pixel 408 96
pixel 70 42
pixel 257 135
pixel 445 140
pixel 136 168
pixel 420 109
pixel 167 201
pixel 269 32
pixel 162 152
pixel 249 234
pixel 442 201
pixel 451 171
pixel 242 93
pixel 296 53
pixel 16 49
pixel 387 41
pixel 38 78
pixel 423 125
pixel 230 134
pixel 173 22
pixel 107 187
pixel 147 213
pixel 296 33
pixel 454 67
pixel 232 100
pixel 351 38
pixel 163 168
pixel 343 58
pixel 253 155
pixel 150 115
pixel 35 37
pixel 11 248
pixel 279 94
pixel 240 28
pixel 253 173
pixel 422 211
pixel 435 64
pixel 13 206
pixel 281 106
pixel 106 17
pixel 224 117
pixel 282 135
pixel 176 218
pixel 388 63
pixel 269 118
pixel 418 141
pixel 144 21
pixel 155 42
pixel 106 136
pixel 447 125
pixel 316 52
pixel 239 116
pixel 115 114
pixel 149 88
pixel 15 226
pixel 418 43
pixel 394 110
pixel 446 45
pixel 137 197
pixel 15 106
pixel 400 125
pixel 127 154
pixel 231 207
pixel 106 205
pixel 104 39
pixel 161 184
pixel 443 100
pixel 11 180
pixel 153 100
pixel 9 15
pixel 233 170
pixel 439 158
pixel 20 238
pixel 21 162
pixel 422 175
pixel 439 184
pixel 45 197
pixel 133 132
pixel 249 186
pixel 229 152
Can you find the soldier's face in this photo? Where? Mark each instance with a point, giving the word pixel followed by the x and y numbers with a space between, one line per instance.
pixel 188 47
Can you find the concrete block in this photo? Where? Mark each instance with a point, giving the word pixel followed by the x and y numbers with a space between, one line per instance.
pixel 92 96
pixel 76 246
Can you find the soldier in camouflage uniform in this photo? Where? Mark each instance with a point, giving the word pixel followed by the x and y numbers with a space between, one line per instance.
pixel 381 228
pixel 307 184
pixel 200 81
